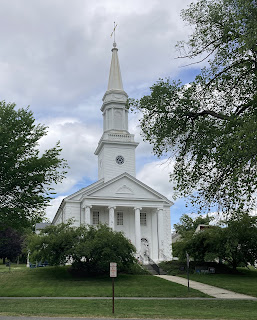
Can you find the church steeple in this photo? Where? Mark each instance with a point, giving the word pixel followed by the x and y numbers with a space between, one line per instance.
pixel 116 148
pixel 115 81
pixel 115 113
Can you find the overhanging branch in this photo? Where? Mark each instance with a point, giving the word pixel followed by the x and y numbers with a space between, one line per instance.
pixel 195 115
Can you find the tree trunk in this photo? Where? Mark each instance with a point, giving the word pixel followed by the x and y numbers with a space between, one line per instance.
pixel 234 265
pixel 3 260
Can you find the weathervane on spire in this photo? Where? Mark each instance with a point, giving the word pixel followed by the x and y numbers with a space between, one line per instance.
pixel 113 34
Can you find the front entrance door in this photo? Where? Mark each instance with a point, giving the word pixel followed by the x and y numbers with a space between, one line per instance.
pixel 145 250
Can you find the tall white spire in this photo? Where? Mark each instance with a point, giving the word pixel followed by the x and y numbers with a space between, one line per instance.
pixel 115 81
pixel 115 112
pixel 116 148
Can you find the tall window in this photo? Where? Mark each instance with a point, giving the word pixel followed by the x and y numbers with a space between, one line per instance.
pixel 143 218
pixel 119 218
pixel 95 217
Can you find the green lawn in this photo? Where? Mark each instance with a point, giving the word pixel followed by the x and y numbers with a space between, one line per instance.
pixel 14 267
pixel 178 309
pixel 245 282
pixel 53 282
pixel 58 282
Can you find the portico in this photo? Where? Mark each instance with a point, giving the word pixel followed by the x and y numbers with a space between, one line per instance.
pixel 121 218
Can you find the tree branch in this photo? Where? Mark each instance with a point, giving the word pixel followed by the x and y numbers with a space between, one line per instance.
pixel 243 108
pixel 195 115
pixel 200 51
pixel 237 63
pixel 190 64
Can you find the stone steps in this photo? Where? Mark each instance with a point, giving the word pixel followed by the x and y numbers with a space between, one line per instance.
pixel 154 269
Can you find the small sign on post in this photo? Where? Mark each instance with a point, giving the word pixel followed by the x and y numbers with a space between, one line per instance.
pixel 113 269
pixel 113 274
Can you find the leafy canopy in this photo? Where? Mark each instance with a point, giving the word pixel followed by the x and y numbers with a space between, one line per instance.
pixel 210 125
pixel 188 224
pixel 234 243
pixel 26 175
pixel 11 244
pixel 90 249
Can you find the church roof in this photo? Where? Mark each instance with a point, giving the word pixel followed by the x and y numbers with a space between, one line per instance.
pixel 92 186
pixel 123 191
pixel 115 81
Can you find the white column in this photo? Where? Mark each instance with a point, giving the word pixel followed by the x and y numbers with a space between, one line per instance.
pixel 87 214
pixel 137 230
pixel 160 233
pixel 111 217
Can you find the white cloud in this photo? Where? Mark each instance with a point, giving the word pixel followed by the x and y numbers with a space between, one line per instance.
pixel 156 176
pixel 55 56
pixel 55 53
pixel 78 142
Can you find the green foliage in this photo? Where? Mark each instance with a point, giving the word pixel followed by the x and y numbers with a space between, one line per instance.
pixel 234 244
pixel 55 244
pixel 26 175
pixel 201 246
pixel 189 224
pixel 89 248
pixel 11 243
pixel 238 241
pixel 100 246
pixel 210 125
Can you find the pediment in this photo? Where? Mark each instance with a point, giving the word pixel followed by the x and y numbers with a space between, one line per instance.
pixel 126 187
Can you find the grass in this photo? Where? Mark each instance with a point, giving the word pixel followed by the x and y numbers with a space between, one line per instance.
pixel 14 267
pixel 51 281
pixel 244 281
pixel 178 309
pixel 58 282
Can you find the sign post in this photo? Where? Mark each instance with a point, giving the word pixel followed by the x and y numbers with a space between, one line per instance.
pixel 113 274
pixel 188 260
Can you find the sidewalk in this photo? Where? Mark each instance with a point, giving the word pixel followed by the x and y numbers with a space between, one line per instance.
pixel 207 289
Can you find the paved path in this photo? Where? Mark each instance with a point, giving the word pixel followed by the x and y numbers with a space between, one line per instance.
pixel 207 289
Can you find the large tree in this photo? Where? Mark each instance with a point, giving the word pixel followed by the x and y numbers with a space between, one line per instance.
pixel 234 243
pixel 11 243
pixel 26 175
pixel 89 248
pixel 188 224
pixel 210 125
pixel 238 241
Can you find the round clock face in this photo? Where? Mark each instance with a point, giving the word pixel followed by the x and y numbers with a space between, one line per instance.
pixel 120 159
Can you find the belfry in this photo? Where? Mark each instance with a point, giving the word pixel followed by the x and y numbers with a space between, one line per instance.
pixel 117 198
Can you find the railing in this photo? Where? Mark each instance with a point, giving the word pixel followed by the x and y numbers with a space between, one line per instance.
pixel 120 136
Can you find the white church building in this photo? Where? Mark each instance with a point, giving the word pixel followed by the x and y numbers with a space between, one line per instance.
pixel 118 199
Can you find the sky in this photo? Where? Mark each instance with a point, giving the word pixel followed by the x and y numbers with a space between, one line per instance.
pixel 55 57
